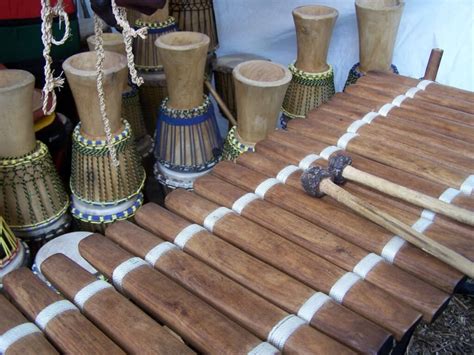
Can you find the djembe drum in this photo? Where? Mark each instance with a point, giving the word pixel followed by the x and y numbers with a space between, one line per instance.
pixel 159 23
pixel 222 69
pixel 152 92
pixel 32 198
pixel 313 79
pixel 102 192
pixel 131 108
pixel 378 23
pixel 260 88
pixel 188 143
pixel 13 253
pixel 196 16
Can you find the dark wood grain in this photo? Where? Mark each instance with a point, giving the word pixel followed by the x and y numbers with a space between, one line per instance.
pixel 32 344
pixel 272 284
pixel 115 315
pixel 199 324
pixel 70 332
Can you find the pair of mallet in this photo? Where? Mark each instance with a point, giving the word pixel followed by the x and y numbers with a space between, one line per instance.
pixel 318 181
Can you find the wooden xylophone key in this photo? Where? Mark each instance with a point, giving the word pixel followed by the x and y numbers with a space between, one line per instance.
pixel 116 316
pixel 288 333
pixel 60 320
pixel 199 324
pixel 347 288
pixel 18 336
pixel 291 295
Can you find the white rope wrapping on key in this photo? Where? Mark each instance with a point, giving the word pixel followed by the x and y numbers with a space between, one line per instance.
pixel 424 84
pixel 48 13
pixel 306 162
pixel 239 205
pixel 87 292
pixel 283 330
pixel 214 216
pixel 264 348
pixel 391 249
pixel 345 139
pixel 356 125
pixel 312 305
pixel 266 185
pixel 342 286
pixel 285 173
pixel 186 234
pixel 366 264
pixel 399 100
pixel 158 251
pixel 328 151
pixel 385 109
pixel 52 311
pixel 412 92
pixel 468 185
pixel 124 269
pixel 370 116
pixel 15 334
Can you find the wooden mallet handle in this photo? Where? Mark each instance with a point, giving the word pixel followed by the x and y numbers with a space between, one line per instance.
pixel 433 64
pixel 221 103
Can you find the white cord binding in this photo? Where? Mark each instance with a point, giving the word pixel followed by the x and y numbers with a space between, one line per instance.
pixel 215 216
pixel 264 348
pixel 424 84
pixel 312 305
pixel 365 265
pixel 328 151
pixel 385 109
pixel 262 189
pixel 345 139
pixel 449 195
pixel 243 201
pixel 124 269
pixel 342 286
pixel 306 162
pixel 468 185
pixel 285 173
pixel 15 334
pixel 354 127
pixel 158 251
pixel 52 311
pixel 87 292
pixel 283 330
pixel 399 100
pixel 186 234
pixel 391 249
pixel 369 117
pixel 412 92
pixel 422 225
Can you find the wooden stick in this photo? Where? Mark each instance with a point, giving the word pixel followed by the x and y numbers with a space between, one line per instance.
pixel 270 283
pixel 343 254
pixel 200 325
pixel 459 214
pixel 115 315
pixel 70 332
pixel 354 229
pixel 31 344
pixel 296 261
pixel 409 234
pixel 221 103
pixel 432 67
pixel 249 310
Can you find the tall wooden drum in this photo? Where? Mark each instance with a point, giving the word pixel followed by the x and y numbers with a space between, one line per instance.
pixel 187 138
pixel 152 92
pixel 378 23
pixel 222 68
pixel 196 16
pixel 313 79
pixel 260 88
pixel 32 198
pixel 102 192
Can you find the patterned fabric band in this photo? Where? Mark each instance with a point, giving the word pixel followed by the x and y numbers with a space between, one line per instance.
pixel 146 55
pixel 307 91
pixel 94 179
pixel 355 74
pixel 32 196
pixel 187 141
pixel 233 148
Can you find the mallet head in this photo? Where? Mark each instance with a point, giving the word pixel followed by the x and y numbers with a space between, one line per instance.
pixel 336 166
pixel 311 180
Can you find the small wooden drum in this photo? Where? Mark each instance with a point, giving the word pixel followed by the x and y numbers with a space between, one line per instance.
pixel 152 92
pixel 196 16
pixel 67 244
pixel 222 68
pixel 112 42
pixel 13 253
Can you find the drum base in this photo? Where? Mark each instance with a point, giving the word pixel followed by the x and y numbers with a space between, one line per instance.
pixel 171 179
pixel 21 259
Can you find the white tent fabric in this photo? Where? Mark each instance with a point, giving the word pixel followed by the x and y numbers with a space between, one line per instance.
pixel 265 27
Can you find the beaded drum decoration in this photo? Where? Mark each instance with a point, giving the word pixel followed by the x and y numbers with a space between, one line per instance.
pixel 146 56
pixel 13 253
pixel 132 112
pixel 152 92
pixel 32 198
pixel 355 74
pixel 196 16
pixel 233 147
pixel 307 91
pixel 187 144
pixel 101 192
